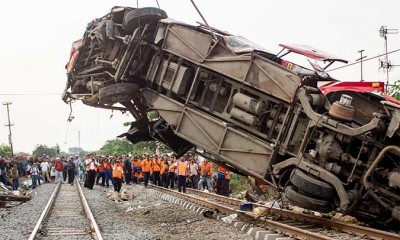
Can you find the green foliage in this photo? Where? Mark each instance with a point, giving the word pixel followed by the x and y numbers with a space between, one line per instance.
pixel 5 150
pixel 42 150
pixel 238 183
pixel 124 147
pixel 76 151
pixel 395 90
pixel 117 147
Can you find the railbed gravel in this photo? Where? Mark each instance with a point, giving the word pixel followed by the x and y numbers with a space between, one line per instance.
pixel 18 222
pixel 152 218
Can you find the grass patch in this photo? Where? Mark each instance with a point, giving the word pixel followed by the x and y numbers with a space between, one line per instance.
pixel 238 183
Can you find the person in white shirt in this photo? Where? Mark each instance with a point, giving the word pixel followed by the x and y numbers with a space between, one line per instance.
pixel 91 167
pixel 35 175
pixel 194 172
pixel 45 170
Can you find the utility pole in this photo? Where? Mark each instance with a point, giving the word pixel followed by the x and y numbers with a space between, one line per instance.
pixel 383 32
pixel 79 139
pixel 9 125
pixel 361 60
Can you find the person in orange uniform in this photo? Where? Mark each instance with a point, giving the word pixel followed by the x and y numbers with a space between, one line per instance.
pixel 227 181
pixel 171 172
pixel 156 170
pixel 182 173
pixel 108 172
pixel 136 167
pixel 206 173
pixel 163 172
pixel 101 173
pixel 146 169
pixel 118 175
pixel 221 175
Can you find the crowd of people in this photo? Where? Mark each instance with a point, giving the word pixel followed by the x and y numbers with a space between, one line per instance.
pixel 165 170
pixel 39 169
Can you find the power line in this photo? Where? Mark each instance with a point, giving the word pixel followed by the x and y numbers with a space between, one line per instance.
pixel 348 65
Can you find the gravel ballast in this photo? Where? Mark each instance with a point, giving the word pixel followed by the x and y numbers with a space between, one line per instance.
pixel 148 217
pixel 18 222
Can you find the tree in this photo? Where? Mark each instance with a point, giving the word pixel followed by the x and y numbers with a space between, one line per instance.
pixel 117 147
pixel 42 150
pixel 395 90
pixel 76 151
pixel 5 150
pixel 124 147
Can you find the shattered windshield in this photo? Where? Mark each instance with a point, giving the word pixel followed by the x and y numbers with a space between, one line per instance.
pixel 239 44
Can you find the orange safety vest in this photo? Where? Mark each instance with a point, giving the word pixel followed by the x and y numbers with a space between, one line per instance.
pixel 182 168
pixel 206 166
pixel 156 165
pixel 117 172
pixel 172 166
pixel 101 167
pixel 146 165
pixel 88 166
pixel 221 170
pixel 163 170
pixel 108 166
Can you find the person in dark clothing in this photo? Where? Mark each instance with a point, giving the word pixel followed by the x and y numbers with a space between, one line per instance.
pixel 65 170
pixel 101 173
pixel 71 171
pixel 3 171
pixel 91 172
pixel 128 171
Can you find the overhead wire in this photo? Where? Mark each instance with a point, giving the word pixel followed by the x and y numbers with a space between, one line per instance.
pixel 367 59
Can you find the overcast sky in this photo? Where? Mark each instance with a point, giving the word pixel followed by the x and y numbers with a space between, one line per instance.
pixel 36 37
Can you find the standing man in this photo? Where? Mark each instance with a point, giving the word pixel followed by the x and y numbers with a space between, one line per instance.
pixel 136 166
pixel 163 172
pixel 101 173
pixel 156 170
pixel 65 171
pixel 45 169
pixel 227 181
pixel 59 170
pixel 128 171
pixel 182 173
pixel 146 169
pixel 91 167
pixel 118 176
pixel 221 175
pixel 206 173
pixel 14 175
pixel 171 172
pixel 3 171
pixel 35 175
pixel 108 172
pixel 76 162
pixel 71 171
pixel 194 172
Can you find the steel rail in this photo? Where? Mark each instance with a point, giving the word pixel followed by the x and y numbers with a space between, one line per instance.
pixel 345 227
pixel 281 227
pixel 45 212
pixel 95 228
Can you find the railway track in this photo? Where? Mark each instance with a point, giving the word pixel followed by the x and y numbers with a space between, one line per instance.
pixel 291 224
pixel 67 214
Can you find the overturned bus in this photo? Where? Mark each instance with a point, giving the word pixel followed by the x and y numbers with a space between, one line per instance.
pixel 329 145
